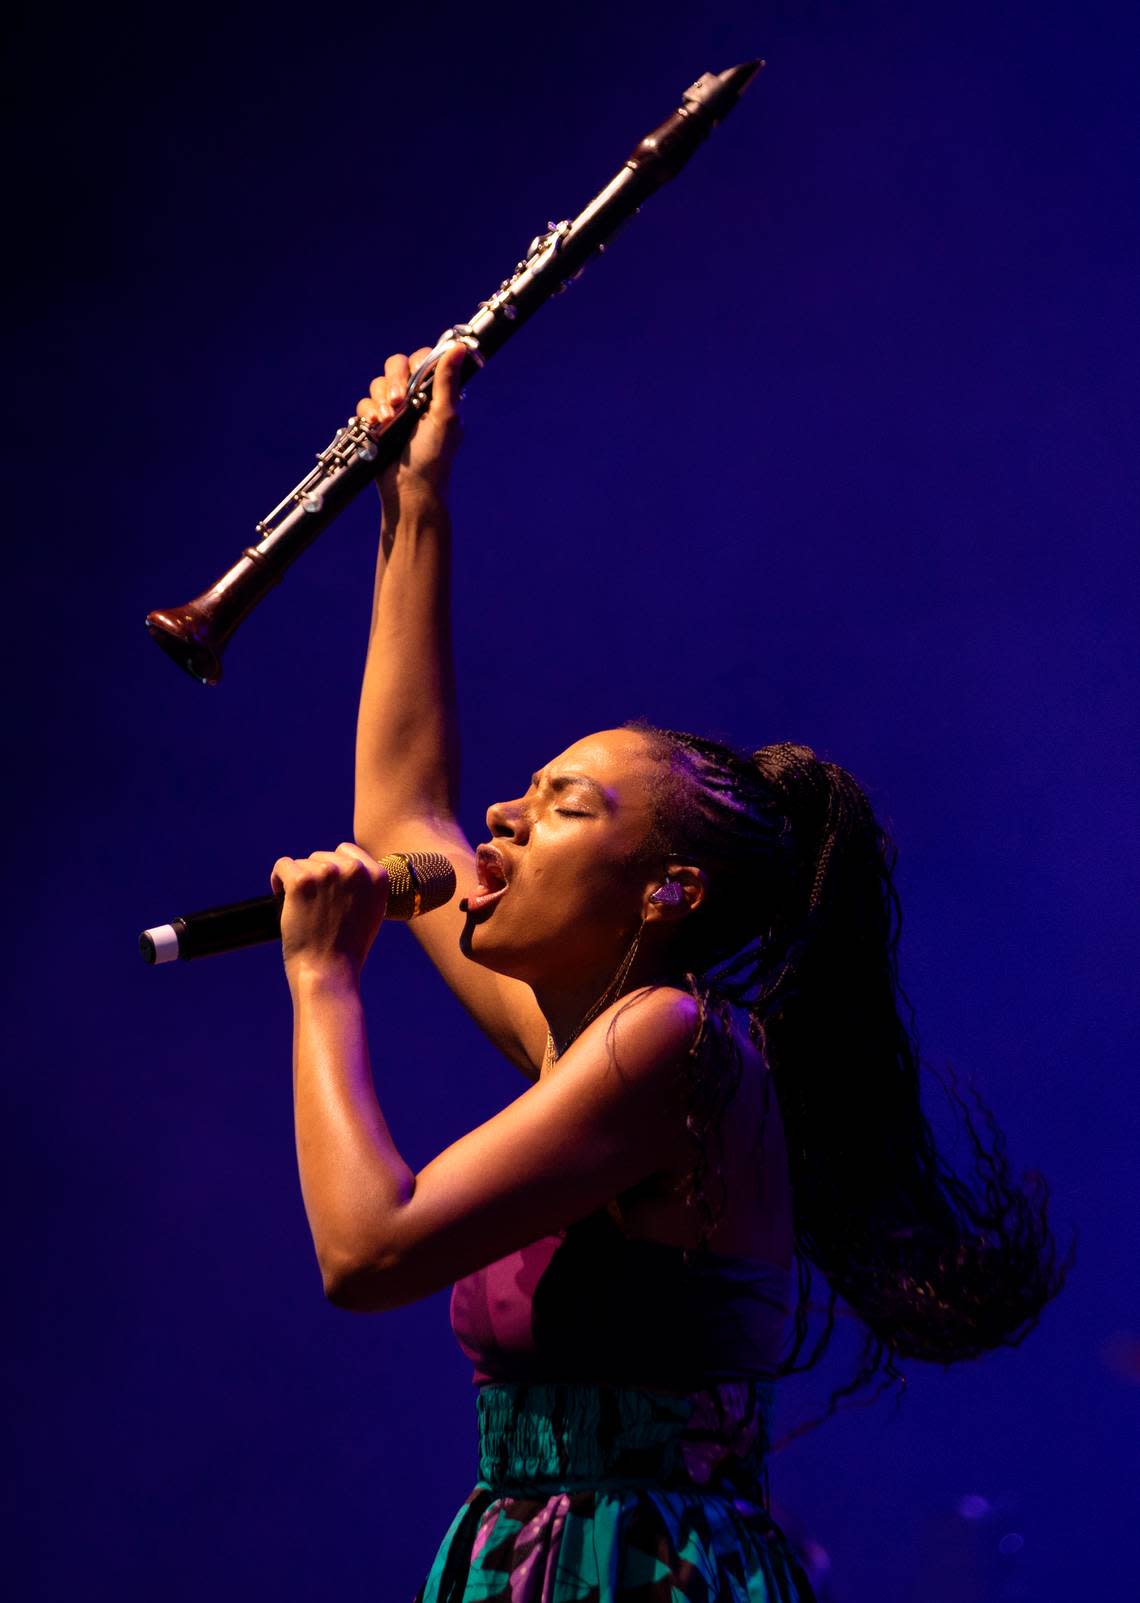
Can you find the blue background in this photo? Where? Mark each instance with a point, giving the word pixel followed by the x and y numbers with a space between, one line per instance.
pixel 834 446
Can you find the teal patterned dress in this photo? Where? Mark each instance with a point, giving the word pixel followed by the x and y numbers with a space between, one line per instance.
pixel 624 1412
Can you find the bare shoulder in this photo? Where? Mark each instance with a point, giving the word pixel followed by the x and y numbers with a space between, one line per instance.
pixel 647 1033
pixel 657 1025
pixel 745 1142
pixel 632 1063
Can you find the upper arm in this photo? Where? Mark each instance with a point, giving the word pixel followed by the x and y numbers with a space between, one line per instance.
pixel 504 1009
pixel 610 1115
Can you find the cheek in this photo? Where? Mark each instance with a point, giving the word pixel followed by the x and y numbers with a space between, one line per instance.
pixel 592 902
pixel 555 899
pixel 574 881
pixel 566 900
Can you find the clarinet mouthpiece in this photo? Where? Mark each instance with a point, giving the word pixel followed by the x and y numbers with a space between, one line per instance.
pixel 663 152
pixel 738 78
pixel 715 93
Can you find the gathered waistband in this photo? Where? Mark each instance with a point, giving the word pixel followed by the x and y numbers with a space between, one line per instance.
pixel 564 1436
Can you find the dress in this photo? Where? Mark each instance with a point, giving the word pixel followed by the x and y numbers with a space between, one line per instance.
pixel 624 1409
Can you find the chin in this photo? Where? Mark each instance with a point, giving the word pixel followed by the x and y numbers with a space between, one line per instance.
pixel 513 960
pixel 478 943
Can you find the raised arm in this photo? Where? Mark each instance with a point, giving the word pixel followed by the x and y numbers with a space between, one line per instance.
pixel 407 749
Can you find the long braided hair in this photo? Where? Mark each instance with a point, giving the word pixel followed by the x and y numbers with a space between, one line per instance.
pixel 800 929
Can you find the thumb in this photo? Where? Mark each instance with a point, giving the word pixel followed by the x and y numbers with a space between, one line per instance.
pixel 445 383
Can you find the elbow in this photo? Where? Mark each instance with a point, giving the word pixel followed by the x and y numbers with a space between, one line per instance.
pixel 361 1286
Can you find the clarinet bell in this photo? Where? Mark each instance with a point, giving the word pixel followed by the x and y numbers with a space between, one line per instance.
pixel 193 636
pixel 184 634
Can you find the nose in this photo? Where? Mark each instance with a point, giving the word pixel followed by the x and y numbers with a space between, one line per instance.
pixel 507 819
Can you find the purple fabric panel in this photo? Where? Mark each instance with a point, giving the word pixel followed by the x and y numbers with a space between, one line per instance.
pixel 491 1309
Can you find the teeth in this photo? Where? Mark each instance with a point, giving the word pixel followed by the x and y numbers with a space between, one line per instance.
pixel 490 871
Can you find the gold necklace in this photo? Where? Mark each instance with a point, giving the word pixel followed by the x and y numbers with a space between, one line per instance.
pixel 553 1052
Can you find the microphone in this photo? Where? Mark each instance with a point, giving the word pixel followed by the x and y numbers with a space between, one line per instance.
pixel 417 883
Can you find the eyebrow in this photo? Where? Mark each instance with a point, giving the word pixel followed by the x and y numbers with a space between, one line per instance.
pixel 561 782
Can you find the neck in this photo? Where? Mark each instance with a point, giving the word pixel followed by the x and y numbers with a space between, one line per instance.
pixel 568 1008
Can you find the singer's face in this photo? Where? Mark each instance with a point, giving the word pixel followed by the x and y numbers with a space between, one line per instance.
pixel 570 853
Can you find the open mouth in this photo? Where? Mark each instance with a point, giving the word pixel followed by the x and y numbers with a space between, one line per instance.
pixel 491 873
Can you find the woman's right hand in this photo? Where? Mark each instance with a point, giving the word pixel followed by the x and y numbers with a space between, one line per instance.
pixel 420 476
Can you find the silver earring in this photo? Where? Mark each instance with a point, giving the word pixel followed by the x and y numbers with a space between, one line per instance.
pixel 671 894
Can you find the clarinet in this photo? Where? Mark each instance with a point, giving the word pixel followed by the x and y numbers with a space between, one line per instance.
pixel 194 635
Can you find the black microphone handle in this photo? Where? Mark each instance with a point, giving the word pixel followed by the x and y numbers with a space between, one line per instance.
pixel 215 929
pixel 417 883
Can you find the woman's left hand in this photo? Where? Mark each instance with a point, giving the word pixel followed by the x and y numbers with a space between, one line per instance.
pixel 334 905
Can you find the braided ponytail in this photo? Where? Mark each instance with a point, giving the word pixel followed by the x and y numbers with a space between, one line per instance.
pixel 801 928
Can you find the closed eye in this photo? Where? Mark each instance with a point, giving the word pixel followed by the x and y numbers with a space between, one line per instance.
pixel 570 812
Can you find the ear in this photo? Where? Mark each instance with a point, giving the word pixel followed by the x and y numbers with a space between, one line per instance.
pixel 674 898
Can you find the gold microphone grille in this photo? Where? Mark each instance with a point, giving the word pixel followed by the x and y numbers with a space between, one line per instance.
pixel 417 882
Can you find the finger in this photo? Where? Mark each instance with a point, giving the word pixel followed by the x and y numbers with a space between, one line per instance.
pixel 349 850
pixel 324 865
pixel 396 371
pixel 397 388
pixel 445 385
pixel 324 856
pixel 377 874
pixel 378 396
pixel 371 411
pixel 347 859
pixel 282 875
pixel 300 876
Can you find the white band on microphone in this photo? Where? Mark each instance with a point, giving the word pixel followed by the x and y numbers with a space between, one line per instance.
pixel 164 939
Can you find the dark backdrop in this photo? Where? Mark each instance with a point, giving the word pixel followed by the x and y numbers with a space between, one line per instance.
pixel 834 446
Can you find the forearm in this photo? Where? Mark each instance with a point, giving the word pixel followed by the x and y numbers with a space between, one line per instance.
pixel 353 1180
pixel 406 742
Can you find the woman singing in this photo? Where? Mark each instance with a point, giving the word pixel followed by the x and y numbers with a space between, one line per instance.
pixel 690 952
